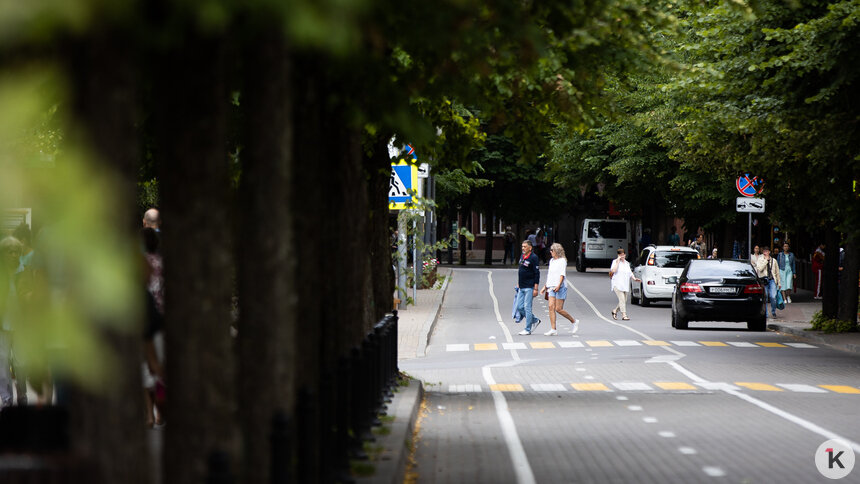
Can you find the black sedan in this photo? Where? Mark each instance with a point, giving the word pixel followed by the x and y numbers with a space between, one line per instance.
pixel 719 290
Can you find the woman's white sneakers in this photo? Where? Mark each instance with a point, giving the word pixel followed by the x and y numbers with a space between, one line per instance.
pixel 552 332
pixel 524 332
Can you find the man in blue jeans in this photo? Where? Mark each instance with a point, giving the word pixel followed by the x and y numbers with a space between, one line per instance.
pixel 768 270
pixel 528 278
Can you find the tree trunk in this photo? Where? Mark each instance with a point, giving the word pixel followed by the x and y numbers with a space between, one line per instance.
pixel 465 215
pixel 108 427
pixel 198 269
pixel 266 266
pixel 830 283
pixel 488 246
pixel 848 291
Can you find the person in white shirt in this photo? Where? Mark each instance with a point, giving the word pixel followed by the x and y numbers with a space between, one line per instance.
pixel 556 287
pixel 621 274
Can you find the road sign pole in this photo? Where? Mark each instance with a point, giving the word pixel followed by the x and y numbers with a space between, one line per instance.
pixel 749 236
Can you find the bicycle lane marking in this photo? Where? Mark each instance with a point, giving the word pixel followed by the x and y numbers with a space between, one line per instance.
pixel 519 459
pixel 806 424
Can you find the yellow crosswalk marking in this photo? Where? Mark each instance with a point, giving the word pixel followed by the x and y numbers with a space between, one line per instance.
pixel 772 345
pixel 590 387
pixel 598 343
pixel 654 342
pixel 486 346
pixel 713 343
pixel 674 385
pixel 506 387
pixel 764 387
pixel 542 345
pixel 840 388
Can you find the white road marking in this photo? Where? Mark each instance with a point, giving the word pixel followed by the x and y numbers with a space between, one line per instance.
pixel 520 461
pixel 570 344
pixel 632 386
pixel 548 387
pixel 801 388
pixel 687 450
pixel 508 336
pixel 685 343
pixel 581 369
pixel 514 346
pixel 714 385
pixel 457 347
pixel 627 342
pixel 666 434
pixel 634 408
pixel 801 345
pixel 622 398
pixel 649 419
pixel 713 471
pixel 465 389
pixel 743 344
pixel 589 377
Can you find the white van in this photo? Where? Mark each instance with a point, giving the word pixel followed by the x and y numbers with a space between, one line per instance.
pixel 599 242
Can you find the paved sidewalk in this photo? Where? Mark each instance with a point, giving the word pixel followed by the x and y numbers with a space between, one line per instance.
pixel 416 321
pixel 795 320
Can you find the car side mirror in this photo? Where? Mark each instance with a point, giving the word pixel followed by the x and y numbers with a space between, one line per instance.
pixel 672 279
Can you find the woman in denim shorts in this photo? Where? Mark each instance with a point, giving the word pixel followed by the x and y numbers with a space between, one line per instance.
pixel 556 287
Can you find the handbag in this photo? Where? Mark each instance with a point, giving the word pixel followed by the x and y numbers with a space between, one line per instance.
pixel 780 302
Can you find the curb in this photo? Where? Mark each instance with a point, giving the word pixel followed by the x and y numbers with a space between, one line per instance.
pixel 813 337
pixel 390 465
pixel 430 322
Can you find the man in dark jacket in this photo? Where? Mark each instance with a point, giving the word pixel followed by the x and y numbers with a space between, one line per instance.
pixel 527 282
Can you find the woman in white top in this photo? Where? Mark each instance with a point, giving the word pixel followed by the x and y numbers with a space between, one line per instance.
pixel 755 255
pixel 621 274
pixel 555 285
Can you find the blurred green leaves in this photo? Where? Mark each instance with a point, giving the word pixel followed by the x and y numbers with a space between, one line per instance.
pixel 85 275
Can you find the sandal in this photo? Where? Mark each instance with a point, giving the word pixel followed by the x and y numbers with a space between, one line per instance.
pixel 625 318
pixel 615 314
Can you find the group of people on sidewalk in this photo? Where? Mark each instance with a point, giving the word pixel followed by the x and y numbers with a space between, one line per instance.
pixel 778 274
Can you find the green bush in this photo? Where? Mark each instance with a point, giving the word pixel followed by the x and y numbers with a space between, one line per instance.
pixel 821 323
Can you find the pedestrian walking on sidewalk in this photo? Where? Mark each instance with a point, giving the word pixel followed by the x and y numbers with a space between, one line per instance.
pixel 768 269
pixel 787 270
pixel 818 269
pixel 528 278
pixel 621 275
pixel 556 286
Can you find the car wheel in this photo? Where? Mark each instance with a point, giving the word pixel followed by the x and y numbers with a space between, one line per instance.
pixel 633 298
pixel 580 264
pixel 673 319
pixel 680 323
pixel 643 299
pixel 757 325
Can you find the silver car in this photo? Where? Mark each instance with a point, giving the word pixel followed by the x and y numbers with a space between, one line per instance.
pixel 655 266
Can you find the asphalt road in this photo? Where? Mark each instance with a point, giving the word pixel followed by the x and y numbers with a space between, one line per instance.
pixel 612 402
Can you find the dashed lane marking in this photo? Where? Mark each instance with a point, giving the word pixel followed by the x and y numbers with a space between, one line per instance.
pixel 801 388
pixel 616 343
pixel 712 471
pixel 507 387
pixel 764 387
pixel 632 386
pixel 542 345
pixel 596 343
pixel 548 387
pixel 674 385
pixel 654 342
pixel 670 386
pixel 840 388
pixel 590 387
pixel 570 344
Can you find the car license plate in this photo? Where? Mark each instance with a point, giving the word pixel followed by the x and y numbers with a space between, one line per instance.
pixel 723 290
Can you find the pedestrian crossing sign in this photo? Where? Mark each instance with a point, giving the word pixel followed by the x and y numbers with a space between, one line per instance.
pixel 404 177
